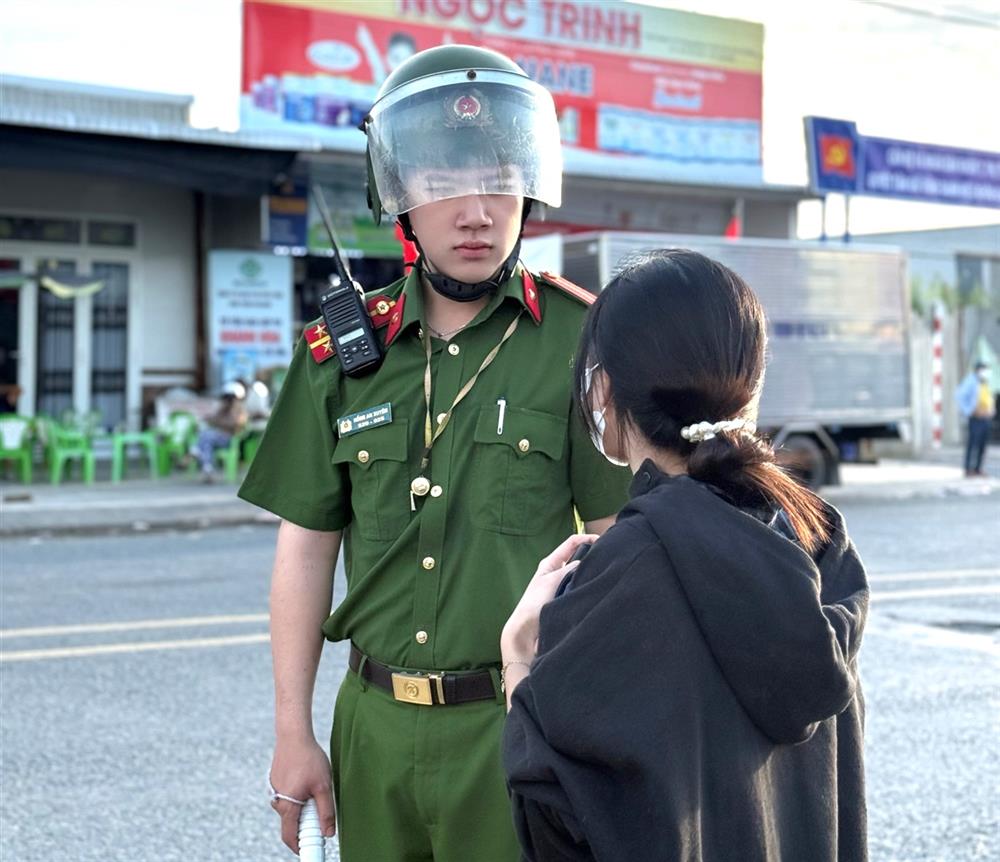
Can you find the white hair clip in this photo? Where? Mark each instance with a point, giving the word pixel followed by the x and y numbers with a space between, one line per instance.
pixel 707 430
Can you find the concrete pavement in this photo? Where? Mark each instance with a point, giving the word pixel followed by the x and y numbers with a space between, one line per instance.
pixel 180 501
pixel 933 474
pixel 134 505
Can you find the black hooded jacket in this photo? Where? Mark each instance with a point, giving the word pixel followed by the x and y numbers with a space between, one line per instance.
pixel 695 697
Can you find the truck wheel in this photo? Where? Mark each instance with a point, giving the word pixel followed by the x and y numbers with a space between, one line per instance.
pixel 803 458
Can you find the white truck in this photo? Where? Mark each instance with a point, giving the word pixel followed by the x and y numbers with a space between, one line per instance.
pixel 838 372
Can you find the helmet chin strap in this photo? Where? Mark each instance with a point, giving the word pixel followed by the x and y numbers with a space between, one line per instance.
pixel 463 291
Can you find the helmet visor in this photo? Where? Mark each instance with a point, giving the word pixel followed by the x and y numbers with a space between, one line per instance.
pixel 445 136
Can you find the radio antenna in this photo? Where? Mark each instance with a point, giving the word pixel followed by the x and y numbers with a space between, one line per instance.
pixel 339 262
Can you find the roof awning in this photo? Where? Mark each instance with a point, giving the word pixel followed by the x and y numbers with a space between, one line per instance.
pixel 201 167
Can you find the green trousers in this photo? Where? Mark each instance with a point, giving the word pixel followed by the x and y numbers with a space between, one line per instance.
pixel 419 783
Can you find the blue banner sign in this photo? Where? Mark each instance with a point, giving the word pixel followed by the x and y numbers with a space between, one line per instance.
pixel 841 160
pixel 922 172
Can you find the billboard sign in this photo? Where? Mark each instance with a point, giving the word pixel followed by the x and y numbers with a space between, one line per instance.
pixel 842 160
pixel 249 312
pixel 922 172
pixel 640 91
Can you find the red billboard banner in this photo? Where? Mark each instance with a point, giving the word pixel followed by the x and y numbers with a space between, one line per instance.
pixel 640 90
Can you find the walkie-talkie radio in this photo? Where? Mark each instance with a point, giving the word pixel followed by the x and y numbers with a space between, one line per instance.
pixel 344 311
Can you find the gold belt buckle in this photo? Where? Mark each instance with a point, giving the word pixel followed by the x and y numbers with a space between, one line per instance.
pixel 416 688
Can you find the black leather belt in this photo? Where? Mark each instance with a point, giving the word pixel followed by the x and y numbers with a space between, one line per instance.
pixel 426 689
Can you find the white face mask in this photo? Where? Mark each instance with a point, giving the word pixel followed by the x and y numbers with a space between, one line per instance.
pixel 983 374
pixel 600 422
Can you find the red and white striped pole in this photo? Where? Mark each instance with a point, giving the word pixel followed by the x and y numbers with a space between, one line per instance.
pixel 937 368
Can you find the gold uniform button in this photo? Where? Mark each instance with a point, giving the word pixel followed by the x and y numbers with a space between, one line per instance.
pixel 382 307
pixel 437 491
pixel 440 417
pixel 453 349
pixel 363 456
pixel 524 445
pixel 421 637
pixel 428 563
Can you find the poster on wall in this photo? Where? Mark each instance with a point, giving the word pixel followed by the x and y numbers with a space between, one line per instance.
pixel 249 314
pixel 640 91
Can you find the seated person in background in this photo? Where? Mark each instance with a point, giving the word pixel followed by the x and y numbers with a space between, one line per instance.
pixel 220 427
pixel 691 691
pixel 258 402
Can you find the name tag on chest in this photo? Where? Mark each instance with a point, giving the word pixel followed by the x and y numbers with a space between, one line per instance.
pixel 364 419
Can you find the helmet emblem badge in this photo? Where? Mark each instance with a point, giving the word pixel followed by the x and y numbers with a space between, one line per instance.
pixel 467 107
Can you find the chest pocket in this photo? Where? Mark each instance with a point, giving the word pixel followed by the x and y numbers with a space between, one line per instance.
pixel 521 473
pixel 376 461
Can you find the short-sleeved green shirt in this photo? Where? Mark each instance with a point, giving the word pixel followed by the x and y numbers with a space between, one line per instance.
pixel 431 580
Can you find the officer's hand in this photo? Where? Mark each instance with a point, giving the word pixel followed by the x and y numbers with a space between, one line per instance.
pixel 300 769
pixel 519 639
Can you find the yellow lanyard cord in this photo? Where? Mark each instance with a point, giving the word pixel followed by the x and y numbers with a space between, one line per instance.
pixel 430 438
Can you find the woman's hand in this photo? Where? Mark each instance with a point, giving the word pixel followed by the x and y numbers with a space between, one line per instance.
pixel 519 638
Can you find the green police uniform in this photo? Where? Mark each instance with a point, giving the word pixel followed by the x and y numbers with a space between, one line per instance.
pixel 432 577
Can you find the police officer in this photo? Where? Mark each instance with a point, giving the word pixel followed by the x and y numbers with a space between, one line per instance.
pixel 449 472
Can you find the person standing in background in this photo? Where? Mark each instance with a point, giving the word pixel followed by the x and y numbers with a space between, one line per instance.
pixel 974 398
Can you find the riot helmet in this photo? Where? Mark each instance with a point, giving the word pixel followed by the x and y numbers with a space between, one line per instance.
pixel 459 120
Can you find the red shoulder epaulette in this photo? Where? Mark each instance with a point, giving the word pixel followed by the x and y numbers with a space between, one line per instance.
pixel 581 294
pixel 318 339
pixel 380 308
pixel 531 296
pixel 394 317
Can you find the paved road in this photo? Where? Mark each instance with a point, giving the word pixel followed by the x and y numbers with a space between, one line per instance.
pixel 136 703
pixel 931 671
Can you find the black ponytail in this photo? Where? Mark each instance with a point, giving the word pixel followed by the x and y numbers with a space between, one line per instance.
pixel 682 340
pixel 743 465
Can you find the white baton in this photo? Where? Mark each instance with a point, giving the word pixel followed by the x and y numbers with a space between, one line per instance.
pixel 312 846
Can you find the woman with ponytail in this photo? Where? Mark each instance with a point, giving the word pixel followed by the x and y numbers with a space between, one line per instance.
pixel 689 692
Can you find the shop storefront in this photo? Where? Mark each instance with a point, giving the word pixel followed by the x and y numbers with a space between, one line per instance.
pixel 104 242
pixel 114 211
pixel 69 304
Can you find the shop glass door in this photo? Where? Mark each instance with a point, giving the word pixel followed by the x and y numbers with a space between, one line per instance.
pixel 109 343
pixel 9 319
pixel 56 319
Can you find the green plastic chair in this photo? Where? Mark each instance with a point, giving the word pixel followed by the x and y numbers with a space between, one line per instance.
pixel 121 440
pixel 229 457
pixel 246 443
pixel 64 444
pixel 89 423
pixel 176 439
pixel 16 442
pixel 252 445
pixel 42 423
